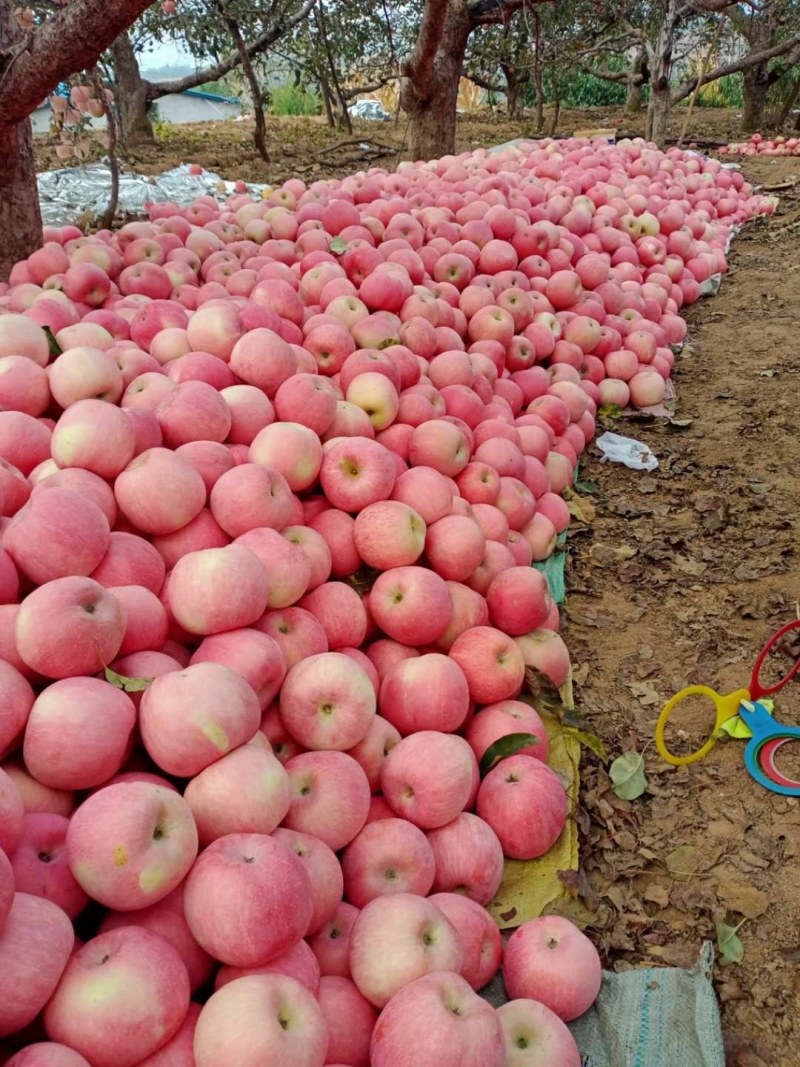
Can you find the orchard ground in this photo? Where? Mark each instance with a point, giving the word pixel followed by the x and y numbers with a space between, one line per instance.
pixel 677 577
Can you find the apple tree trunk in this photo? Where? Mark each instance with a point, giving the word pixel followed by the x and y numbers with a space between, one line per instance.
pixel 131 97
pixel 429 87
pixel 20 217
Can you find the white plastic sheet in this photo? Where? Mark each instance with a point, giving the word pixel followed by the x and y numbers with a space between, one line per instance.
pixel 625 450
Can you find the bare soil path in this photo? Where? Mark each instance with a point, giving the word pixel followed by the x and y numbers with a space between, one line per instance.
pixel 679 578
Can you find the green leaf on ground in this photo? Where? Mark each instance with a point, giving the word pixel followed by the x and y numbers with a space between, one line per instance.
pixel 627 774
pixel 731 949
pixel 128 685
pixel 503 748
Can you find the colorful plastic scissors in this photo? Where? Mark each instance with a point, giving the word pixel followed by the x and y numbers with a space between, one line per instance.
pixel 768 735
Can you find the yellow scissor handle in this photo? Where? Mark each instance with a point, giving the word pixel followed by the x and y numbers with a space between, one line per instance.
pixel 727 706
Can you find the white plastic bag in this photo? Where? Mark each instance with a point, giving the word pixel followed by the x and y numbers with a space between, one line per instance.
pixel 625 450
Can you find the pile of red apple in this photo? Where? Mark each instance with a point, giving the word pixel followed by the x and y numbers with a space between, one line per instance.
pixel 285 464
pixel 759 146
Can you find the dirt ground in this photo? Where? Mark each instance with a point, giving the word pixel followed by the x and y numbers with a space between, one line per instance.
pixel 676 577
pixel 679 578
pixel 307 148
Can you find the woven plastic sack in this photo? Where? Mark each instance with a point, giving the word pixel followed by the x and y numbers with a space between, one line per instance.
pixel 654 1017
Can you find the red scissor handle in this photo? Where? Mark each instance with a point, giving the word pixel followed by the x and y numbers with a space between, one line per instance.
pixel 757 690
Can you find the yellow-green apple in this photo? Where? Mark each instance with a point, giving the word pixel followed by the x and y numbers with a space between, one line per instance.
pixel 550 960
pixel 397 939
pixel 392 856
pixel 469 858
pixel 525 804
pixel 247 899
pixel 375 394
pixel 261 1021
pixel 122 995
pixel 483 946
pixel 330 797
pixel 327 702
pixel 69 627
pixel 35 945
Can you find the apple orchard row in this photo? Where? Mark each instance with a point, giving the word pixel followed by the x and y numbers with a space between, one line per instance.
pixel 287 465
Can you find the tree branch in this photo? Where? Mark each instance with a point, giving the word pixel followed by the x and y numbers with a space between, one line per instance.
pixel 71 41
pixel 280 28
pixel 752 60
pixel 483 83
pixel 418 67
pixel 486 12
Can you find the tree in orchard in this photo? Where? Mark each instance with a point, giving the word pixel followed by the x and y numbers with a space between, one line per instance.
pixel 33 60
pixel 761 27
pixel 222 35
pixel 431 73
pixel 656 28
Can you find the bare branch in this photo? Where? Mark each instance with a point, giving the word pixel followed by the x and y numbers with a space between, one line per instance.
pixel 751 60
pixel 280 28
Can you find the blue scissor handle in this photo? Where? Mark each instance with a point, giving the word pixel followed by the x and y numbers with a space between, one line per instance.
pixel 765 730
